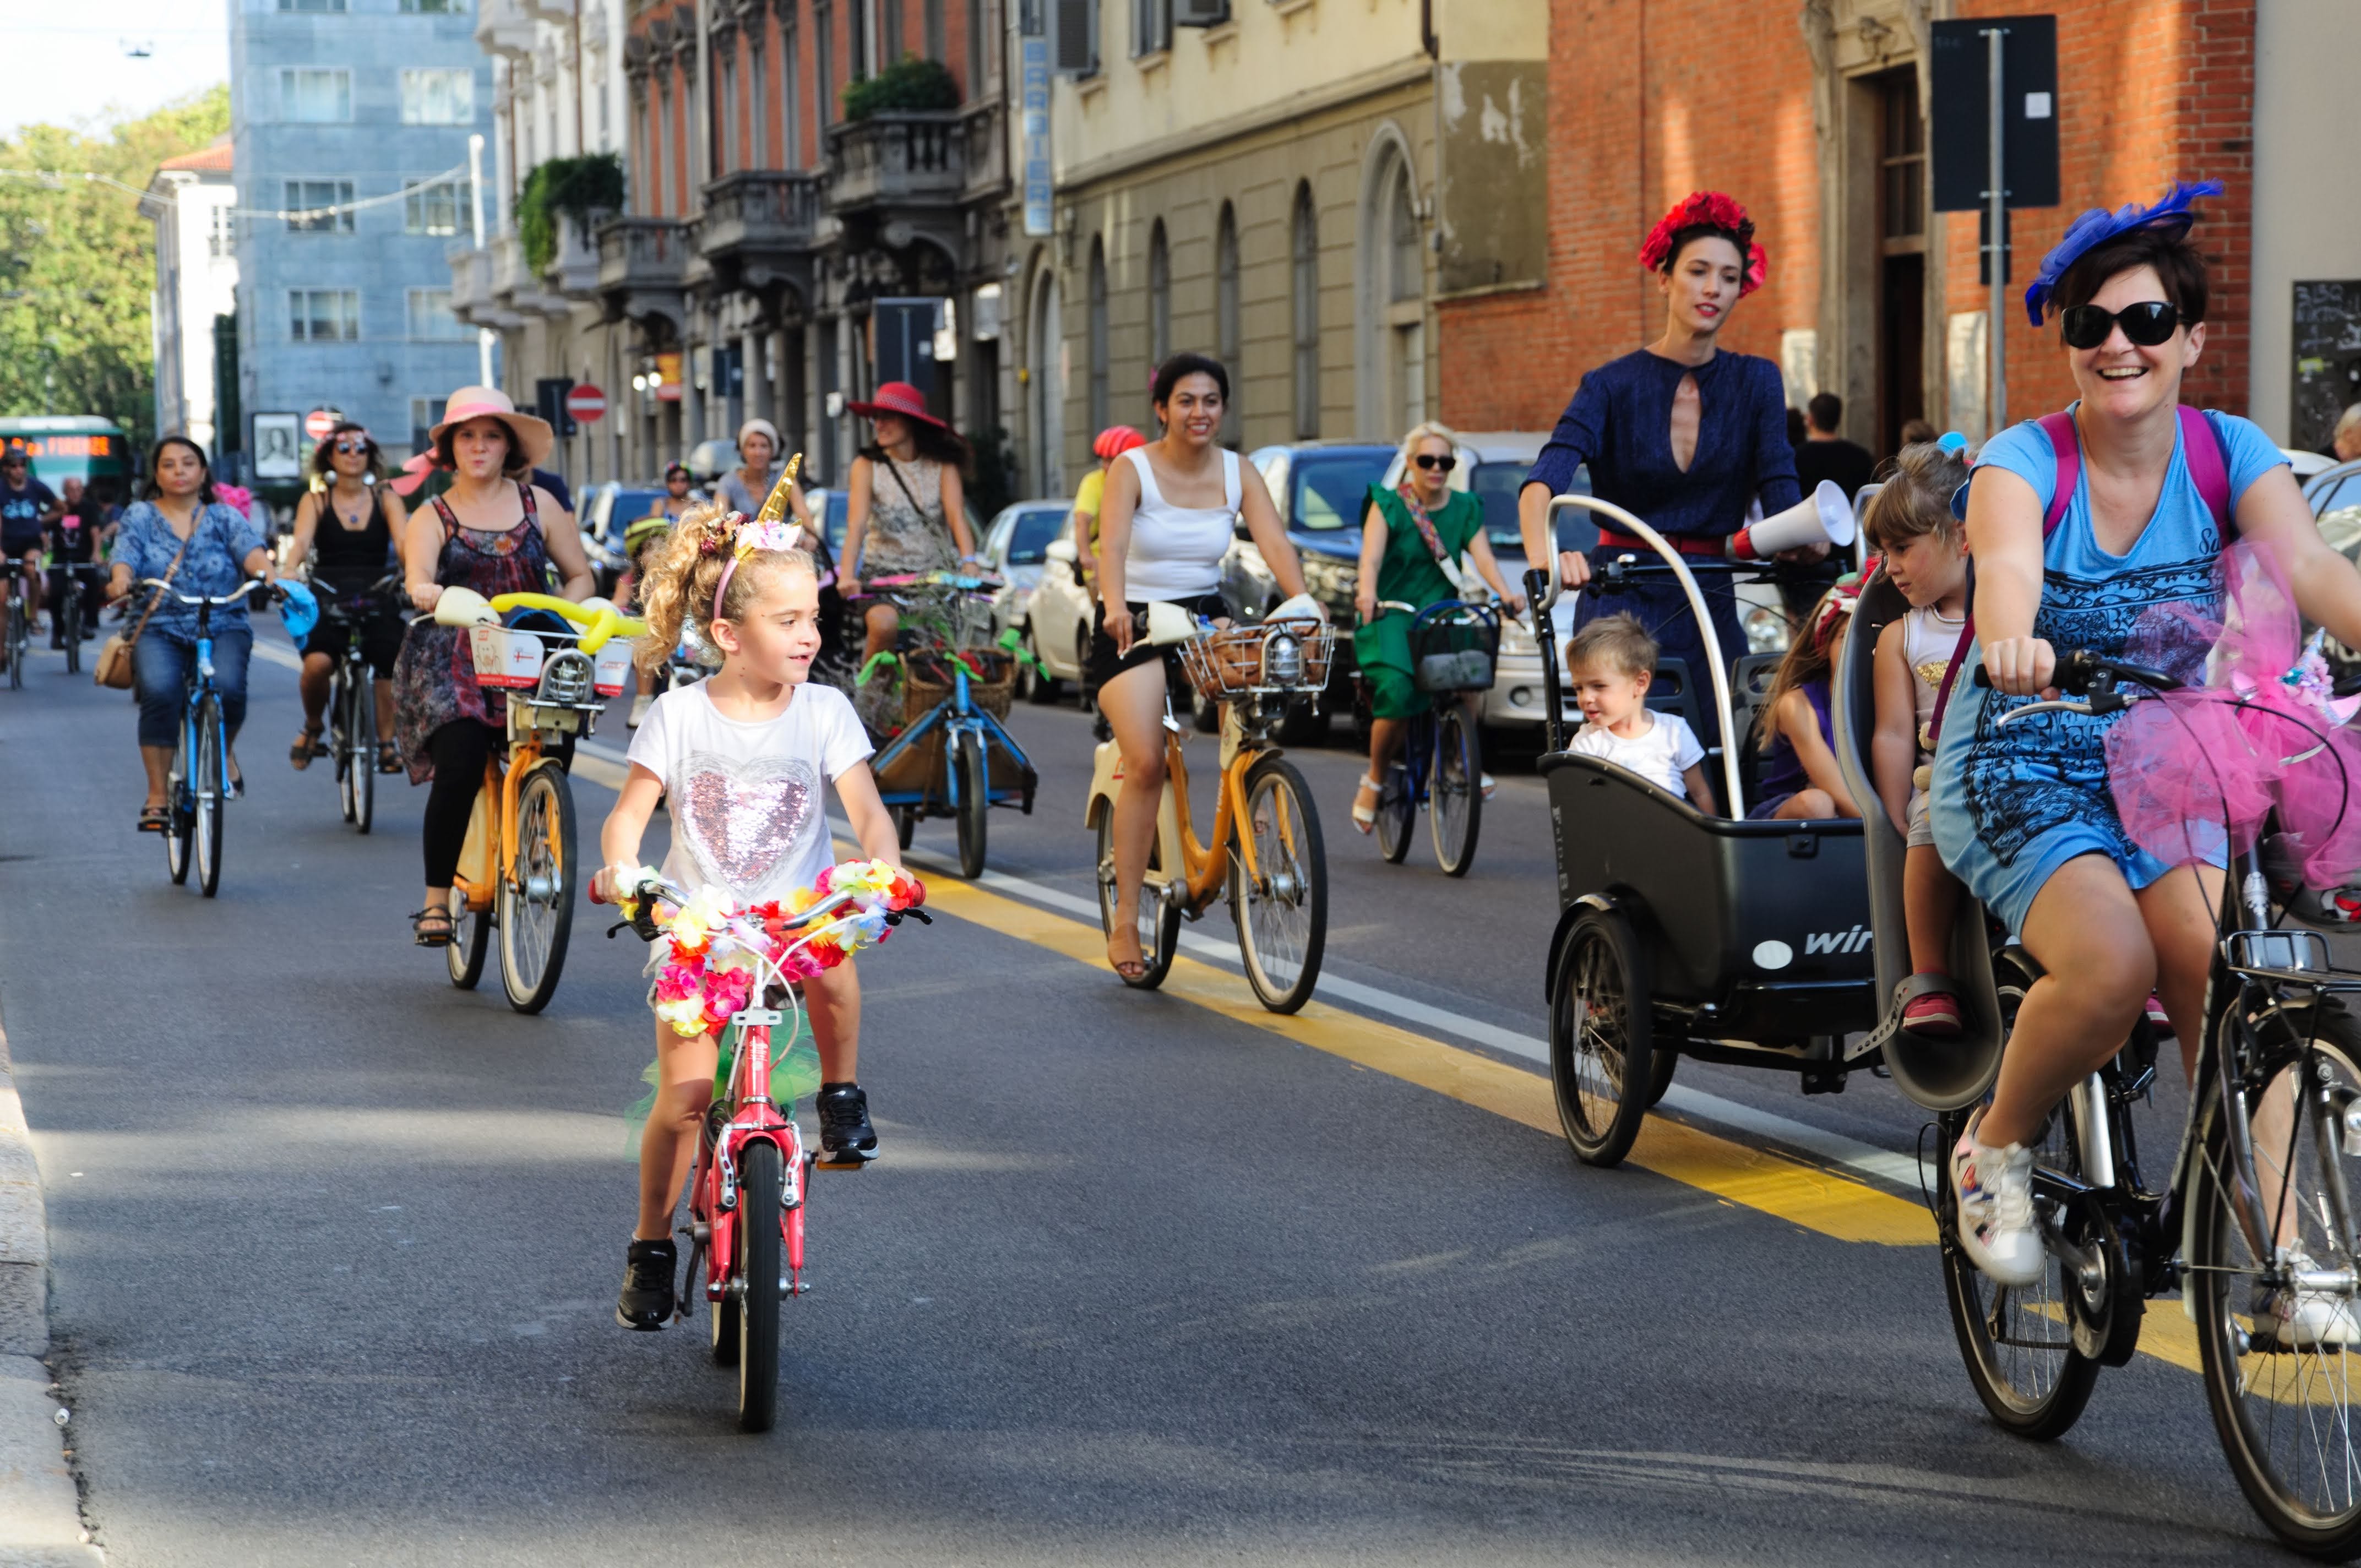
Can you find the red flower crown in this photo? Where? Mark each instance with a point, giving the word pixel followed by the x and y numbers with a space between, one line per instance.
pixel 1708 209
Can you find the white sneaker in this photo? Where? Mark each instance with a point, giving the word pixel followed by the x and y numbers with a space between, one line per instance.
pixel 638 710
pixel 2304 1320
pixel 1995 1192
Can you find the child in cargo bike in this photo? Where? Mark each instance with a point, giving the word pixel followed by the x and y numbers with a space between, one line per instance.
pixel 1800 779
pixel 1609 665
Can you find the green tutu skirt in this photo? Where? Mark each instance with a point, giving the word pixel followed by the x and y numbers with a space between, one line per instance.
pixel 794 1074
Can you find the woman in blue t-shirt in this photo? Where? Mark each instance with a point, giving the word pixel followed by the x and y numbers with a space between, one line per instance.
pixel 2024 815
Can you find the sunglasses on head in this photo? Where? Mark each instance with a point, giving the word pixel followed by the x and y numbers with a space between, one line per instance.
pixel 1442 464
pixel 2148 323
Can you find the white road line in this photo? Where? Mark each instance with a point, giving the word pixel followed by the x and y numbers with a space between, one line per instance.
pixel 279 654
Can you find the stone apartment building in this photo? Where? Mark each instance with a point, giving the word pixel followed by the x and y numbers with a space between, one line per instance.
pixel 1816 115
pixel 191 202
pixel 349 121
pixel 1299 187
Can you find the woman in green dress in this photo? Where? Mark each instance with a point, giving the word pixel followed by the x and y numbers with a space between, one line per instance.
pixel 1416 542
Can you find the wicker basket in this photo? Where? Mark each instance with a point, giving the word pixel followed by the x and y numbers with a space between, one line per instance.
pixel 1225 664
pixel 926 684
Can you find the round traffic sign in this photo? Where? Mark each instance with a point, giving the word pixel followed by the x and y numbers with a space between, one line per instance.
pixel 586 402
pixel 320 421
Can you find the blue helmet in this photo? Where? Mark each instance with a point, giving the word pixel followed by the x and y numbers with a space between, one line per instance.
pixel 299 610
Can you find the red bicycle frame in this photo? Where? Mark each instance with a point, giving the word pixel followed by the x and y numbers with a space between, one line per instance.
pixel 713 1191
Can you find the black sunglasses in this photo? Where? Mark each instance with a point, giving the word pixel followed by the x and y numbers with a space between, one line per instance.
pixel 1429 460
pixel 2148 323
pixel 350 448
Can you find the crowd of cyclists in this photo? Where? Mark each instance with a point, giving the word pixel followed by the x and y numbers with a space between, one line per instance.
pixel 2078 527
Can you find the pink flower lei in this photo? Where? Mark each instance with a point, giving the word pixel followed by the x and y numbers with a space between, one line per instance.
pixel 1708 209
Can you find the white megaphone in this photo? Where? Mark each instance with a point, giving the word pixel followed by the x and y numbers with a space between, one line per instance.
pixel 1824 517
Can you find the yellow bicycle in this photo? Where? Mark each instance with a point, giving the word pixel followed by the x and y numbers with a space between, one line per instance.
pixel 518 872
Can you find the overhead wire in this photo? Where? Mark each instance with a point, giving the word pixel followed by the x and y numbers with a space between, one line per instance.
pixel 59 178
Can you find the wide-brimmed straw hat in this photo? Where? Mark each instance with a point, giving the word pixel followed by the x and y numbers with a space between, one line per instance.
pixel 533 437
pixel 901 399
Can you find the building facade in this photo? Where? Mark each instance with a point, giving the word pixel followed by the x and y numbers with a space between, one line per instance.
pixel 192 202
pixel 350 121
pixel 1818 117
pixel 1297 187
pixel 762 226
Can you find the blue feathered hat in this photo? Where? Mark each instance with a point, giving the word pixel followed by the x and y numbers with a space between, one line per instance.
pixel 2098 225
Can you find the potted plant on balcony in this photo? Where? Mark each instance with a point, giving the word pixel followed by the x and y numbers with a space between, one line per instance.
pixel 582 189
pixel 910 83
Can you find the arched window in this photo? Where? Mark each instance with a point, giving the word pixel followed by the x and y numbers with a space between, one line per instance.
pixel 1227 313
pixel 1100 416
pixel 1159 297
pixel 1306 254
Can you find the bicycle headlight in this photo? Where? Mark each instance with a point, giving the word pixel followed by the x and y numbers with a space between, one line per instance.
pixel 1767 630
pixel 1282 660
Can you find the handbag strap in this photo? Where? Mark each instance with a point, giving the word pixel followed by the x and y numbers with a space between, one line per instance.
pixel 170 572
pixel 1433 538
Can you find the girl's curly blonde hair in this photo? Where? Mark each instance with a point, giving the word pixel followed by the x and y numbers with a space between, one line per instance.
pixel 684 570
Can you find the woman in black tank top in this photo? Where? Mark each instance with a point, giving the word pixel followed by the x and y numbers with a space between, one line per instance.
pixel 346 531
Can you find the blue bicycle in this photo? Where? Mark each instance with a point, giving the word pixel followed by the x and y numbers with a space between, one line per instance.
pixel 200 781
pixel 1453 647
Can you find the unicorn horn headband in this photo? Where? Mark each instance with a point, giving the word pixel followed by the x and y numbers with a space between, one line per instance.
pixel 769 531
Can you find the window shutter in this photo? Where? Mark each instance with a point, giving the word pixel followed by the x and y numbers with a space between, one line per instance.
pixel 1200 13
pixel 1075 36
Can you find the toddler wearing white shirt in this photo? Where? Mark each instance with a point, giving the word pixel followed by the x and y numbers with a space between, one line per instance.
pixel 1609 663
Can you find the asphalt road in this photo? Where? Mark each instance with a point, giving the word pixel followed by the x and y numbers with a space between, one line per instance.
pixel 1136 1281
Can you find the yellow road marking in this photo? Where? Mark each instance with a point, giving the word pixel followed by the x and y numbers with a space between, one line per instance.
pixel 1816 1199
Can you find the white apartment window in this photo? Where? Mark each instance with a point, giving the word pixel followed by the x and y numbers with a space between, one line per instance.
pixel 438 97
pixel 430 206
pixel 1151 26
pixel 314 196
pixel 310 5
pixel 429 315
pixel 434 7
pixel 758 82
pixel 315 97
pixel 323 315
pixel 221 239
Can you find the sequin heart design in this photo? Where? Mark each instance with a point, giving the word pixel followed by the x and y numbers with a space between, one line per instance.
pixel 744 820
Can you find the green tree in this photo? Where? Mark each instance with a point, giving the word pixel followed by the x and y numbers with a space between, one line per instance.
pixel 78 262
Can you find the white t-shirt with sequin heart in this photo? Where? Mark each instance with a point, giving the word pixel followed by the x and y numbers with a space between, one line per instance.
pixel 747 816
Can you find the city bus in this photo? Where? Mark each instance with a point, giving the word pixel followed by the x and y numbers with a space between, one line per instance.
pixel 74 446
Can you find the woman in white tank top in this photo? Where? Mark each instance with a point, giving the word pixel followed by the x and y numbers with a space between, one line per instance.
pixel 1164 525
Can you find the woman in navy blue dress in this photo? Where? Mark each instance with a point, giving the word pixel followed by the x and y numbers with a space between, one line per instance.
pixel 1683 434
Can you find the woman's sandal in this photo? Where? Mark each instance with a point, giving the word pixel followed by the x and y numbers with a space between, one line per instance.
pixel 388 759
pixel 1365 817
pixel 432 928
pixel 155 819
pixel 307 747
pixel 1128 968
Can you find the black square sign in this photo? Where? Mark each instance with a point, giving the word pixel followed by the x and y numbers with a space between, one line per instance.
pixel 1961 154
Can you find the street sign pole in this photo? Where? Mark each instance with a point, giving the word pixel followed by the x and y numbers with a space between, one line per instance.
pixel 1996 244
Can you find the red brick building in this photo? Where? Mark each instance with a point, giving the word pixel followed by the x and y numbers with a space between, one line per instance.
pixel 1814 116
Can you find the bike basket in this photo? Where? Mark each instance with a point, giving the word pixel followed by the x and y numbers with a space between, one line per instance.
pixel 1277 655
pixel 506 657
pixel 1454 654
pixel 926 685
pixel 613 666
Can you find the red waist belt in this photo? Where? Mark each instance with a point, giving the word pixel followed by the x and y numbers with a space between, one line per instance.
pixel 1686 544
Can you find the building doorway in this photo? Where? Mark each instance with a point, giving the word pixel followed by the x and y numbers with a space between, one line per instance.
pixel 1046 388
pixel 1902 225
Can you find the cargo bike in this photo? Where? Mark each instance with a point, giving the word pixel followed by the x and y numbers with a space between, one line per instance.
pixel 949 754
pixel 1680 934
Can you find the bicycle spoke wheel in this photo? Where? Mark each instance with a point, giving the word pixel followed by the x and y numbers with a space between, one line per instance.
pixel 212 784
pixel 760 1190
pixel 2018 1341
pixel 71 613
pixel 536 901
pixel 19 637
pixel 1159 921
pixel 1454 796
pixel 1282 908
pixel 972 772
pixel 1397 807
pixel 176 800
pixel 340 743
pixel 360 730
pixel 471 939
pixel 2277 1333
pixel 1602 1037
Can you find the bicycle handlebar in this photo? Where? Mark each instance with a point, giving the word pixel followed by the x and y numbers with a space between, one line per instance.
pixel 216 600
pixel 2105 685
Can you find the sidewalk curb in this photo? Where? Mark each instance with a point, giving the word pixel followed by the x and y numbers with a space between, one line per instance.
pixel 40 1512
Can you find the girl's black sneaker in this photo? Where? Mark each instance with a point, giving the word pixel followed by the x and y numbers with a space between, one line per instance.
pixel 648 1271
pixel 846 1138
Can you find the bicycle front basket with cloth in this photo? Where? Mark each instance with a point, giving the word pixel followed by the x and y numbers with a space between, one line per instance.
pixel 1455 652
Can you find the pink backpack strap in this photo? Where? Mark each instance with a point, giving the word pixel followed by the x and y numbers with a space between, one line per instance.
pixel 2209 465
pixel 2067 446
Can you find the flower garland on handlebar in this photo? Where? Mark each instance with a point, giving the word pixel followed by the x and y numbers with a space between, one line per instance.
pixel 715 955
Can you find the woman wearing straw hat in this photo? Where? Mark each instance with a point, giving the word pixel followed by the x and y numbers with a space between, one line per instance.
pixel 495 532
pixel 904 508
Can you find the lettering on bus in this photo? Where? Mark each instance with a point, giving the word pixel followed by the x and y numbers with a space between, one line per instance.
pixel 78 446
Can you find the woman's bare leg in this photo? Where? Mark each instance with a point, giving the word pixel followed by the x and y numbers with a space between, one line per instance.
pixel 2087 932
pixel 1133 705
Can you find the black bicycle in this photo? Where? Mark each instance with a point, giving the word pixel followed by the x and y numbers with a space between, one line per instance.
pixel 75 583
pixel 20 622
pixel 2257 1227
pixel 1454 648
pixel 352 699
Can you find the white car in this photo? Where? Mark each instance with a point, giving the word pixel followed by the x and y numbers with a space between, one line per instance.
pixel 1015 546
pixel 1058 620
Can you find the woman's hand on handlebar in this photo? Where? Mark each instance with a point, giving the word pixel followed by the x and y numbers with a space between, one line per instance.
pixel 1365 605
pixel 1573 568
pixel 424 596
pixel 2022 666
pixel 1120 628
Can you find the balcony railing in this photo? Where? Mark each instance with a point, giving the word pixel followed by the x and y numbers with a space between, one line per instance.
pixel 986 131
pixel 898 158
pixel 575 269
pixel 471 283
pixel 514 286
pixel 639 255
pixel 764 210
